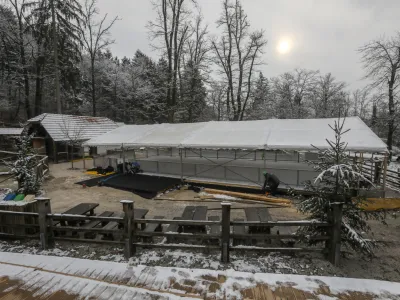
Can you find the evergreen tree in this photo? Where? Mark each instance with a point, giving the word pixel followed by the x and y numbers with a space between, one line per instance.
pixel 193 94
pixel 339 176
pixel 261 107
pixel 24 167
pixel 64 17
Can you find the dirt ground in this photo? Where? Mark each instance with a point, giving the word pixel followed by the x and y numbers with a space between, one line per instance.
pixel 60 187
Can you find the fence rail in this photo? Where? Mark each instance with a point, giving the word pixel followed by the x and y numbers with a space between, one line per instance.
pixel 130 234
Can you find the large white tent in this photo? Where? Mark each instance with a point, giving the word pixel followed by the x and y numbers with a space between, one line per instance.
pixel 290 134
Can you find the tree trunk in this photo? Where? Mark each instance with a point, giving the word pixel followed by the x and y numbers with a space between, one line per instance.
pixel 55 53
pixel 374 116
pixel 38 92
pixel 93 87
pixel 25 68
pixel 391 127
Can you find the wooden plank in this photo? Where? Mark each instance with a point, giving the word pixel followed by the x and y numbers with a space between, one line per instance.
pixel 200 213
pixel 214 230
pixel 92 224
pixel 239 229
pixel 176 221
pixel 81 209
pixel 249 196
pixel 251 214
pixel 282 223
pixel 276 249
pixel 175 227
pixel 188 213
pixel 154 227
pixel 264 214
pixel 180 246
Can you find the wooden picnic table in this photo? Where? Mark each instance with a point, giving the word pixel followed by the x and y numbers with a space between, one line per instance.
pixel 80 209
pixel 138 213
pixel 258 214
pixel 195 213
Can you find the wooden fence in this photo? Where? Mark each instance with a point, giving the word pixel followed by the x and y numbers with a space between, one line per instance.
pixel 131 236
pixel 374 171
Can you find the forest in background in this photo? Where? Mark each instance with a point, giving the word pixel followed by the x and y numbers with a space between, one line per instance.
pixel 55 57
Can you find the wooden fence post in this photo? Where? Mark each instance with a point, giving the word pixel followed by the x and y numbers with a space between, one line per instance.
pixel 335 242
pixel 226 231
pixel 45 223
pixel 129 228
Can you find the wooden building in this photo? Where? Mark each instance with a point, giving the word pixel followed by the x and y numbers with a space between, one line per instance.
pixel 61 136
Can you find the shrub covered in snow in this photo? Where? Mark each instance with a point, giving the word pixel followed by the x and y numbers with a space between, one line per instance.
pixel 339 176
pixel 24 166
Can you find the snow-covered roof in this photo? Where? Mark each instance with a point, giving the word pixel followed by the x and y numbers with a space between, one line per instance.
pixel 11 131
pixel 64 127
pixel 290 134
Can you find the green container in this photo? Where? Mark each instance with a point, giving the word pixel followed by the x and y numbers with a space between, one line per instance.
pixel 19 197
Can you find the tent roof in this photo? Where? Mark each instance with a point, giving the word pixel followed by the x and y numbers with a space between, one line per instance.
pixel 295 134
pixel 69 127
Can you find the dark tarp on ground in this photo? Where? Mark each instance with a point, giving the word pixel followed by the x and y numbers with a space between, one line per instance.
pixel 93 181
pixel 143 185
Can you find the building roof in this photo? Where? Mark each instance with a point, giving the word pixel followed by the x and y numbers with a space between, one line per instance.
pixel 11 131
pixel 289 134
pixel 69 127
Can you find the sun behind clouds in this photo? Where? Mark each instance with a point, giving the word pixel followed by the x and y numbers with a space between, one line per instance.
pixel 284 46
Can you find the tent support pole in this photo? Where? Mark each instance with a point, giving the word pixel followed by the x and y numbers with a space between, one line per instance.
pixel 265 163
pixel 134 154
pixel 123 159
pixel 180 154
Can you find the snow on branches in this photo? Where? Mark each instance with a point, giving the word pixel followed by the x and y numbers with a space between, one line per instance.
pixel 339 176
pixel 24 168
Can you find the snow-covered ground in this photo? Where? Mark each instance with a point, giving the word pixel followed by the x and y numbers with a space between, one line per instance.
pixel 46 275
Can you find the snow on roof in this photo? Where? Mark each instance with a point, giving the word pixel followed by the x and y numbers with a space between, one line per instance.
pixel 11 131
pixel 290 134
pixel 64 127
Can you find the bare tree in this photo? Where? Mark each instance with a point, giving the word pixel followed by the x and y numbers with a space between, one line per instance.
pixel 95 39
pixel 74 134
pixel 238 52
pixel 360 102
pixel 294 90
pixel 329 98
pixel 172 27
pixel 381 60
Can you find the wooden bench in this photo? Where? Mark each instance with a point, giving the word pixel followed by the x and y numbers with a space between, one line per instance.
pixel 174 228
pixel 239 229
pixel 214 230
pixel 93 224
pixel 111 226
pixel 152 227
pixel 258 214
pixel 195 213
pixel 80 209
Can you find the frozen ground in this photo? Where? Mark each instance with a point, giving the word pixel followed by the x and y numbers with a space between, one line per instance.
pixel 65 194
pixel 40 277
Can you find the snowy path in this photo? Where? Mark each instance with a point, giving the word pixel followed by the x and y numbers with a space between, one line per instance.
pixel 26 276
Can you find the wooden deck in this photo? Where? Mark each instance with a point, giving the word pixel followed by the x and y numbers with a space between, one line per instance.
pixel 24 276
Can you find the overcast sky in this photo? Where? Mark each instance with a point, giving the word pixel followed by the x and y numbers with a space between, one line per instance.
pixel 323 35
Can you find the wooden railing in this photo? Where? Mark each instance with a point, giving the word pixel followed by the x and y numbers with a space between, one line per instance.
pixel 42 167
pixel 131 236
pixel 375 173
